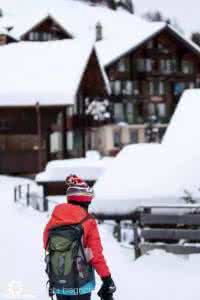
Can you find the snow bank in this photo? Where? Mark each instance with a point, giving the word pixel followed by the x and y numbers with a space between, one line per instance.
pixel 90 168
pixel 140 174
pixel 155 276
pixel 183 132
pixel 156 174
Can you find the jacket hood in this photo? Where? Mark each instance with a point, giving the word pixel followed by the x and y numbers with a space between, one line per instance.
pixel 68 214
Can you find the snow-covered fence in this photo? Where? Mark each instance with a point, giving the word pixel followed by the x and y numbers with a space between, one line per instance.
pixel 174 229
pixel 30 195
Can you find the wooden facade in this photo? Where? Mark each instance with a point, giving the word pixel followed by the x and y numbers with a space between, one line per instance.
pixel 46 30
pixel 150 79
pixel 25 132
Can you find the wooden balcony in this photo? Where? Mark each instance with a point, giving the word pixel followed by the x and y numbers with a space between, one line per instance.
pixel 19 162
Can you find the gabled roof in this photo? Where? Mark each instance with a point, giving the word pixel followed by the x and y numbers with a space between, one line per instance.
pixel 77 17
pixel 5 32
pixel 24 24
pixel 46 72
pixel 39 22
pixel 111 50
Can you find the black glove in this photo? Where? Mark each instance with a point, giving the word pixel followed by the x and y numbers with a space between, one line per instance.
pixel 107 289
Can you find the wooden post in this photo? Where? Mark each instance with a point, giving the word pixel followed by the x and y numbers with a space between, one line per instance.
pixel 136 240
pixel 15 194
pixel 63 133
pixel 117 231
pixel 28 195
pixel 20 191
pixel 45 200
pixel 48 147
pixel 39 132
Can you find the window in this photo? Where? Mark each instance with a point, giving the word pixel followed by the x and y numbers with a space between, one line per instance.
pixel 135 88
pixel 156 88
pixel 133 136
pixel 117 87
pixel 187 67
pixel 191 85
pixel 122 65
pixel 168 66
pixel 140 65
pixel 31 36
pixel 149 65
pixel 157 109
pixel 130 112
pixel 179 88
pixel 119 112
pixel 70 140
pixel 161 110
pixel 4 124
pixel 117 139
pixel 150 45
pixel 127 87
pixel 45 36
pixel 163 48
pixel 144 65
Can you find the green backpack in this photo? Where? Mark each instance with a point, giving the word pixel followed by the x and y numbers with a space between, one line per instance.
pixel 67 266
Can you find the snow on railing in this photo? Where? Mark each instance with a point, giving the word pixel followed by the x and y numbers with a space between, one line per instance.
pixel 30 195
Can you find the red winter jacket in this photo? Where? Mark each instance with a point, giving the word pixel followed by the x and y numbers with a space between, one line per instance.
pixel 72 214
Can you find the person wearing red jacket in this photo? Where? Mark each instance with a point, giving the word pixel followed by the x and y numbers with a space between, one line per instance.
pixel 79 197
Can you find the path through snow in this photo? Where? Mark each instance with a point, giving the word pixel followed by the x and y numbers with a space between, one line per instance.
pixel 152 277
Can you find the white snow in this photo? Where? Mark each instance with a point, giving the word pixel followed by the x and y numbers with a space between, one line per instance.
pixel 48 72
pixel 89 168
pixel 154 276
pixel 122 31
pixel 152 173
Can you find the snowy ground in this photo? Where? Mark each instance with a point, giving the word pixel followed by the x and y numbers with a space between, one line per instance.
pixel 157 276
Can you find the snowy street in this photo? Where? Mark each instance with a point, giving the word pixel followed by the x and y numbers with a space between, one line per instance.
pixel 156 276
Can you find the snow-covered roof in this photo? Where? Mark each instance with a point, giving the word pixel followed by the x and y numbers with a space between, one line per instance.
pixel 44 72
pixel 111 49
pixel 76 17
pixel 87 168
pixel 122 31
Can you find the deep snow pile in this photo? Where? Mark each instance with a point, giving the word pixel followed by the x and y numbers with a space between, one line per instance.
pixel 89 168
pixel 152 173
pixel 22 270
pixel 139 174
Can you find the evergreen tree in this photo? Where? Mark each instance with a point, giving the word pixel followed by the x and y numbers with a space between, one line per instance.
pixel 157 16
pixel 196 38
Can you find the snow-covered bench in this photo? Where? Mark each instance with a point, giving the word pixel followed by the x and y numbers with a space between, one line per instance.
pixel 175 229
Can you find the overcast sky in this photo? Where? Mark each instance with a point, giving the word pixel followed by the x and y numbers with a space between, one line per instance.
pixel 187 13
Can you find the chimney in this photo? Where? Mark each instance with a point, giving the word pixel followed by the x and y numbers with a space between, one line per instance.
pixel 99 32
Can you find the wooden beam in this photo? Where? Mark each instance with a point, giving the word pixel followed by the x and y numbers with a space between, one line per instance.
pixel 63 133
pixel 164 219
pixel 172 248
pixel 39 132
pixel 170 234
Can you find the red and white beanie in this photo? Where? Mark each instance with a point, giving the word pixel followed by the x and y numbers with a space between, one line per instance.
pixel 77 190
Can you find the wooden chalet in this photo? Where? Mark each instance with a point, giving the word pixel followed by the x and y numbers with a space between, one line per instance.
pixel 36 111
pixel 147 80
